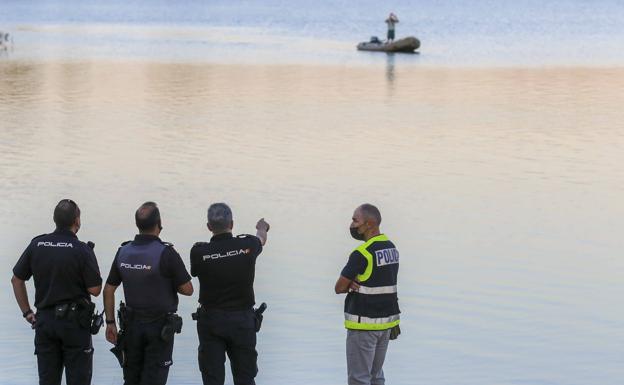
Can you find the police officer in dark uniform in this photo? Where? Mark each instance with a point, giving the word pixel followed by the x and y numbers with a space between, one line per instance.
pixel 152 274
pixel 66 275
pixel 226 322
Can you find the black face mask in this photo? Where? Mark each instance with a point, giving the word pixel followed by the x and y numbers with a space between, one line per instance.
pixel 355 234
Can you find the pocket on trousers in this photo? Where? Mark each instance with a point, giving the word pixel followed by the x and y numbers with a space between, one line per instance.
pixel 247 321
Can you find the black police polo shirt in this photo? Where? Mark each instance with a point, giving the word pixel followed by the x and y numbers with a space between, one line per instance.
pixel 226 269
pixel 62 266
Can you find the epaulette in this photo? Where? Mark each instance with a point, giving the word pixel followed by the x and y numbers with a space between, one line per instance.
pixel 38 236
pixel 200 244
pixel 244 236
pixel 125 243
pixel 168 244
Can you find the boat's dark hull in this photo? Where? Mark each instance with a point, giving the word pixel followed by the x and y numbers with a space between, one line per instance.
pixel 408 44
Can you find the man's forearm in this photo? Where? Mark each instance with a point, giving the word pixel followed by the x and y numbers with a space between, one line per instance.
pixel 262 235
pixel 109 301
pixel 21 295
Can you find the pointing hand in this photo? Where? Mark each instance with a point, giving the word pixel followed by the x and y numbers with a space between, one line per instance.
pixel 262 225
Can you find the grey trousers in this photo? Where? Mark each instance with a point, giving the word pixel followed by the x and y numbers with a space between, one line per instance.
pixel 366 352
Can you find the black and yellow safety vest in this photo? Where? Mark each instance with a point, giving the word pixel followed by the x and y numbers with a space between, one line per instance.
pixel 375 305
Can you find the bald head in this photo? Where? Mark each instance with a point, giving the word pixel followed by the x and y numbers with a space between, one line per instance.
pixel 147 217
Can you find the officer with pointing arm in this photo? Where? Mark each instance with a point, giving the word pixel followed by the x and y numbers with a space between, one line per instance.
pixel 226 322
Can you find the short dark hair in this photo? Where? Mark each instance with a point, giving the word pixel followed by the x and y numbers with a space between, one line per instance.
pixel 371 212
pixel 147 216
pixel 65 213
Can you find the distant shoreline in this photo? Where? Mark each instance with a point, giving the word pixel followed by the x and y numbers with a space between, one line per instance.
pixel 8 60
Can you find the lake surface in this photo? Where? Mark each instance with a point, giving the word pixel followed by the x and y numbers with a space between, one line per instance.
pixel 468 33
pixel 498 177
pixel 502 189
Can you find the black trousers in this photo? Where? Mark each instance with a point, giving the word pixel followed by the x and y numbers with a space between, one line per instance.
pixel 148 356
pixel 62 343
pixel 232 333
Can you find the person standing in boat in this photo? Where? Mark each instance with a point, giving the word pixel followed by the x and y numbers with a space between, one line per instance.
pixel 391 21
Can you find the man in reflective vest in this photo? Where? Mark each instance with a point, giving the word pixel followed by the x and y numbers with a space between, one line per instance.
pixel 371 306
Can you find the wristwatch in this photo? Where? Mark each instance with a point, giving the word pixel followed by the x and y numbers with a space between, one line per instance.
pixel 110 321
pixel 27 313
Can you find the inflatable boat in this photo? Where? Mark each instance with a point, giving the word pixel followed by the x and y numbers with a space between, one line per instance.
pixel 408 44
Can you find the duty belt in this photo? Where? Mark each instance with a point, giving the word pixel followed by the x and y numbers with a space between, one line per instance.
pixel 132 314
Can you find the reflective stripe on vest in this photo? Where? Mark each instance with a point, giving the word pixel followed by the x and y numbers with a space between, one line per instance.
pixel 377 290
pixel 357 322
pixel 369 257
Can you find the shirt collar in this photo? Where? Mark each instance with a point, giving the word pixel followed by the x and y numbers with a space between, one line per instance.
pixel 65 232
pixel 143 238
pixel 221 237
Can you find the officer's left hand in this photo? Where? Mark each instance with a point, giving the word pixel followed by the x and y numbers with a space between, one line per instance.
pixel 354 286
pixel 111 333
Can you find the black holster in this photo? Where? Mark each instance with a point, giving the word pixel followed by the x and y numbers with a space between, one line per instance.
pixel 173 325
pixel 119 350
pixel 258 316
pixel 84 314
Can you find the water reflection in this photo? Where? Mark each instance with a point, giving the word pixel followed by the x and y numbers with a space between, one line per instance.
pixel 390 62
pixel 499 187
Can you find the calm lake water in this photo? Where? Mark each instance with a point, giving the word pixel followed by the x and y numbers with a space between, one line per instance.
pixel 495 160
pixel 502 189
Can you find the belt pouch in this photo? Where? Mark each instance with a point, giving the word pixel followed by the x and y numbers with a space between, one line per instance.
pixel 60 311
pixel 173 324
